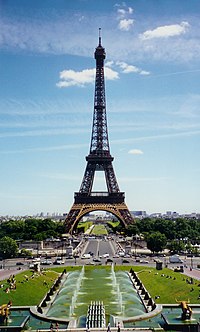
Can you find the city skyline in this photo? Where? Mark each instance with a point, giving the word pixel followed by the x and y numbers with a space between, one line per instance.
pixel 47 71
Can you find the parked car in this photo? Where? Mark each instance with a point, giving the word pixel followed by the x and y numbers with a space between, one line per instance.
pixel 138 260
pixel 125 261
pixel 85 256
pixel 19 263
pixel 106 255
pixel 96 260
pixel 175 259
pixel 109 260
pixel 59 261
pixel 144 261
pixel 46 262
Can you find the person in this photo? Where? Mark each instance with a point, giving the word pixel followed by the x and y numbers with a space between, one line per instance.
pixel 51 327
pixel 57 326
pixel 118 327
pixel 108 327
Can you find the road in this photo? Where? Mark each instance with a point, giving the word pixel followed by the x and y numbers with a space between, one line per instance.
pixel 98 248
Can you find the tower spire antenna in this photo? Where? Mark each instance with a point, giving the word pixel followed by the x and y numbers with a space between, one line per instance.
pixel 99 36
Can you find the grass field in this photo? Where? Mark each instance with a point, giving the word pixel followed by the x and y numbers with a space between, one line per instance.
pixel 29 290
pixel 99 230
pixel 167 284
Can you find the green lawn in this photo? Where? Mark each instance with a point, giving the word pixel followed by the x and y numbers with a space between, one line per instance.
pixel 29 290
pixel 170 287
pixel 99 230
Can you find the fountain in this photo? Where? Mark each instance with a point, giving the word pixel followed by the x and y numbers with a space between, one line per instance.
pixel 96 315
pixel 94 286
pixel 65 301
pixel 116 290
pixel 76 290
pixel 95 296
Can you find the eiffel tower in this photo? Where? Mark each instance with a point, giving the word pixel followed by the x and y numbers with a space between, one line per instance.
pixel 99 159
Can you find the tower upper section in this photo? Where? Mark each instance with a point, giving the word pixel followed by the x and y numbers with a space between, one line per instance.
pixel 99 141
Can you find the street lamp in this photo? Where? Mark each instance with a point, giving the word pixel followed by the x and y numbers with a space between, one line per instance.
pixel 4 259
pixel 191 265
pixel 135 242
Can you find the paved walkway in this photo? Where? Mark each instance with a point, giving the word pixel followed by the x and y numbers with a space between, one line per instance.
pixel 5 274
pixel 194 273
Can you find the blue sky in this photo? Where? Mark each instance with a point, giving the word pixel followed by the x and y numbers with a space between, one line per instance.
pixel 152 71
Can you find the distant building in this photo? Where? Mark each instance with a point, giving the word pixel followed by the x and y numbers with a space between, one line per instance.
pixel 169 213
pixel 156 215
pixel 139 214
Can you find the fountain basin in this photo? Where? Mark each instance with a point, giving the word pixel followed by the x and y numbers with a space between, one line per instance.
pixel 79 288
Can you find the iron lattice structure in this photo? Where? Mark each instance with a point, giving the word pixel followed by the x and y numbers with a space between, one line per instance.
pixel 99 159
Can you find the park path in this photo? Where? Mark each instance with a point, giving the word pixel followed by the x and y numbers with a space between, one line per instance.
pixel 5 274
pixel 194 273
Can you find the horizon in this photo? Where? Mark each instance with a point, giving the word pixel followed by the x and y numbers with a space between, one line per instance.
pixel 152 70
pixel 98 213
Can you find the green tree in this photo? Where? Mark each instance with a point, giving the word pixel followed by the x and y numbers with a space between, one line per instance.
pixel 8 247
pixel 60 227
pixel 30 229
pixel 145 225
pixel 166 227
pixel 12 228
pixel 46 225
pixel 182 228
pixel 156 241
pixel 25 253
pixel 132 230
pixel 176 246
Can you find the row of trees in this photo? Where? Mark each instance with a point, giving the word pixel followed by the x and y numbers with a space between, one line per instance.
pixel 31 229
pixel 179 228
pixel 177 235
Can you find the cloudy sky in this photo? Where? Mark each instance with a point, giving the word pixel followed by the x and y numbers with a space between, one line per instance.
pixel 152 71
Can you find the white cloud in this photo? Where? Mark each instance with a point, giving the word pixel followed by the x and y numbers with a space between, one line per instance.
pixel 166 31
pixel 158 137
pixel 130 10
pixel 144 72
pixel 81 78
pixel 109 63
pixel 47 34
pixel 111 74
pixel 126 68
pixel 73 78
pixel 135 151
pixel 86 76
pixel 43 132
pixel 124 17
pixel 126 24
pixel 46 149
pixel 121 12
